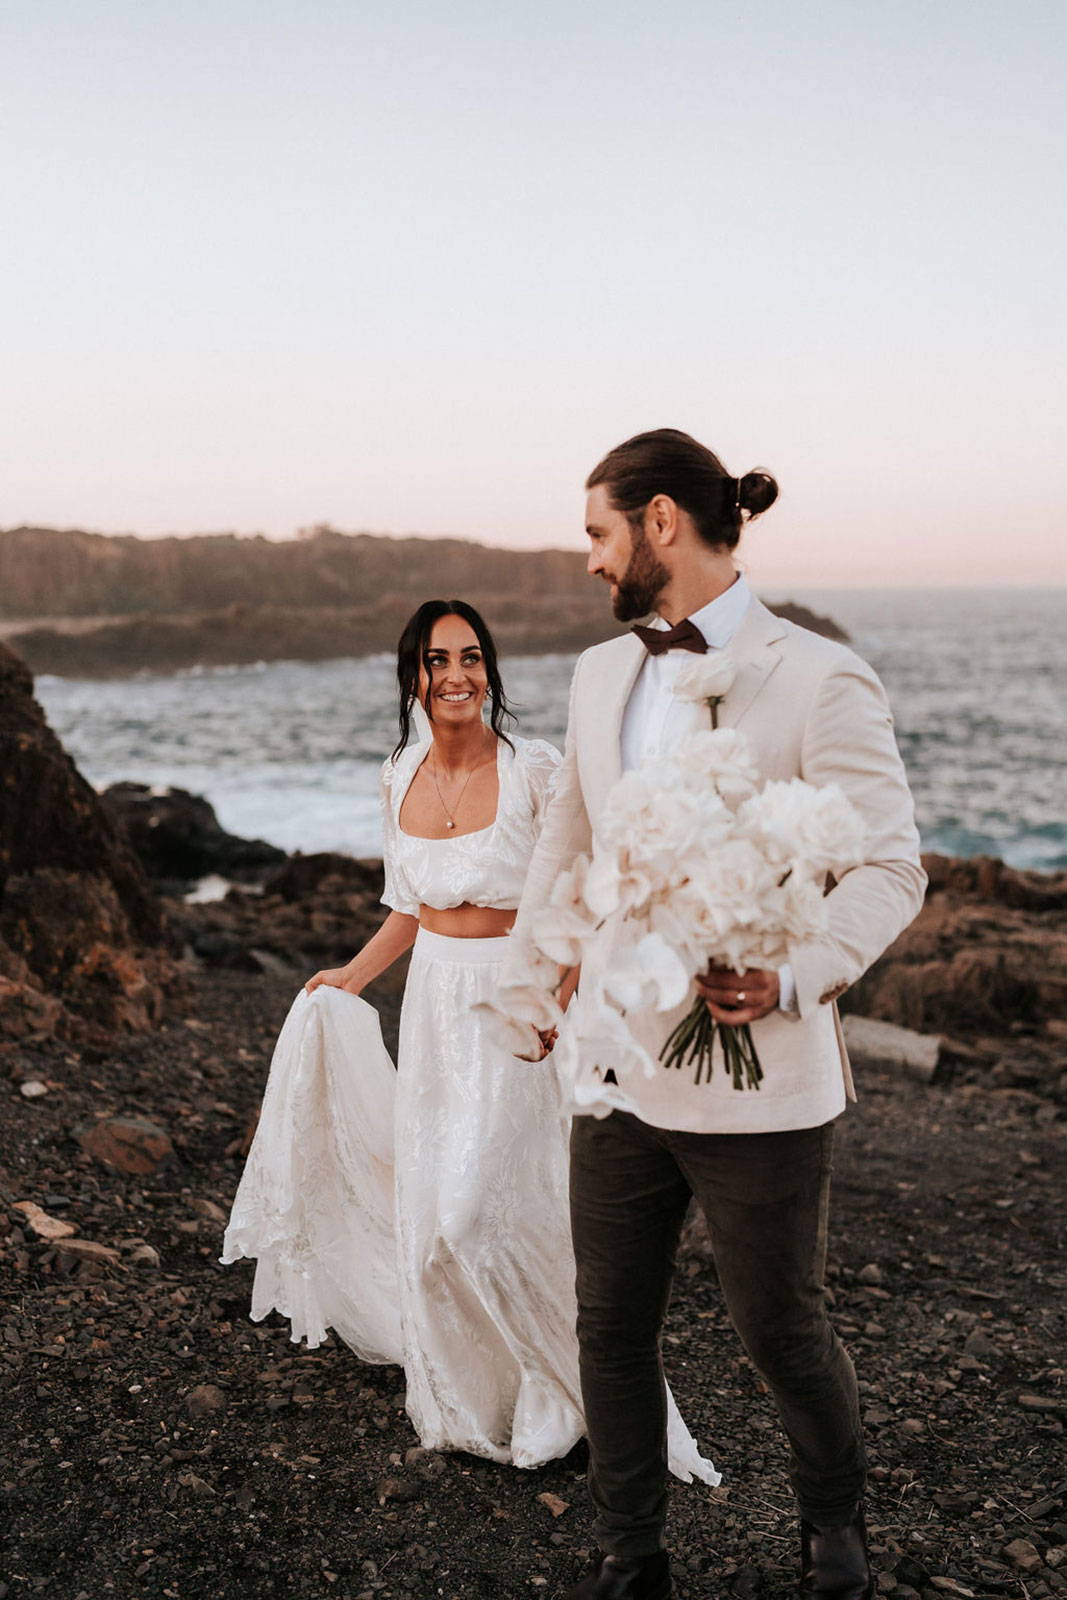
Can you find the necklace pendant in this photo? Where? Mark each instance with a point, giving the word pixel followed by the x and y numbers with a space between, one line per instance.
pixel 451 824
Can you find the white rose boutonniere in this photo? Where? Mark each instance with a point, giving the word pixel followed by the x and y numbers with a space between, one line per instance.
pixel 706 679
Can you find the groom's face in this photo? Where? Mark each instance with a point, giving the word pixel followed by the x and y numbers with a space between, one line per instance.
pixel 622 555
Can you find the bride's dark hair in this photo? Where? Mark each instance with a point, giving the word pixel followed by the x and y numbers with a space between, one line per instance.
pixel 411 651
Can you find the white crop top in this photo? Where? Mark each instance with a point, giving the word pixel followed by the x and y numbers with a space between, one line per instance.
pixel 486 868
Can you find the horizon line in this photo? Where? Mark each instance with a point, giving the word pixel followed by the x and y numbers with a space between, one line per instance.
pixel 306 536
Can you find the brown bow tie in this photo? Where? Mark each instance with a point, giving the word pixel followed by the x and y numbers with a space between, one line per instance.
pixel 685 635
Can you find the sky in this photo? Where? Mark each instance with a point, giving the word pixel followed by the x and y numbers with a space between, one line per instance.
pixel 414 269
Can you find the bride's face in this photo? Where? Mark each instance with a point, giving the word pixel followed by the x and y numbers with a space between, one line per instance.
pixel 452 677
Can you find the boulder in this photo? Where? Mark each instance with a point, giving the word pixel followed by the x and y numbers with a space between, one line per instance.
pixel 132 1145
pixel 178 838
pixel 83 946
pixel 302 876
pixel 51 818
pixel 986 954
pixel 872 1043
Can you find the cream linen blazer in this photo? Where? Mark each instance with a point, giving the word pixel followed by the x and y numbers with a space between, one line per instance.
pixel 810 708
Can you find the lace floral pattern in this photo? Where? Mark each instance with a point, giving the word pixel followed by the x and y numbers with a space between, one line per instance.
pixel 422 1213
pixel 486 868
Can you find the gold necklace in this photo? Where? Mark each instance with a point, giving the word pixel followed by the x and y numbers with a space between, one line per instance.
pixel 450 816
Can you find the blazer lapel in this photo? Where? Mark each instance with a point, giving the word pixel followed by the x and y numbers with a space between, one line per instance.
pixel 604 704
pixel 753 647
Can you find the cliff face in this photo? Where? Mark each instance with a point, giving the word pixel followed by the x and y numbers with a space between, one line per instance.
pixel 47 572
pixel 81 931
pixel 165 604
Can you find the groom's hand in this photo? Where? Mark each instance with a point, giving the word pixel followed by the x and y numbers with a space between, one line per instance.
pixel 734 998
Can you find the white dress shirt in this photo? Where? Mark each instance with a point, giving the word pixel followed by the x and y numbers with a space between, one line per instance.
pixel 654 722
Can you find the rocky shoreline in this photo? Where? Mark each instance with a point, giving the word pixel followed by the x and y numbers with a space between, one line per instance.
pixel 159 1443
pixel 244 634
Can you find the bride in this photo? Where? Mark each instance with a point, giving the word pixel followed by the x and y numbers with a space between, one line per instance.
pixel 422 1213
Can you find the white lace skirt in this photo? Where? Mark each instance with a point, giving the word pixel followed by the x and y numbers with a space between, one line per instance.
pixel 422 1214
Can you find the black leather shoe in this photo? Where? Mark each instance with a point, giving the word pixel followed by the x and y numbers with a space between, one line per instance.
pixel 648 1578
pixel 833 1561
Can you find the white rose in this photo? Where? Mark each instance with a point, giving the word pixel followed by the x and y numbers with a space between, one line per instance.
pixel 648 826
pixel 719 757
pixel 803 908
pixel 703 678
pixel 727 903
pixel 591 1096
pixel 814 829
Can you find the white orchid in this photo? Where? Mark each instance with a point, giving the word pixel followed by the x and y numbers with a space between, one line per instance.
pixel 594 1039
pixel 560 932
pixel 510 1033
pixel 651 974
pixel 692 863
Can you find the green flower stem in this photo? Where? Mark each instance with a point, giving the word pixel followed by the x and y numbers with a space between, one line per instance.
pixel 693 1040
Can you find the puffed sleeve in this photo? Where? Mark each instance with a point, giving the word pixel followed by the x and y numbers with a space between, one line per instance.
pixel 395 894
pixel 541 763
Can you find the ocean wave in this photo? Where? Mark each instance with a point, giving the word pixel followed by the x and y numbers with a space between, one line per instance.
pixel 290 751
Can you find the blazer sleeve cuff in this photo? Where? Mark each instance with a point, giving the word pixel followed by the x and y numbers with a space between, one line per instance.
pixel 819 976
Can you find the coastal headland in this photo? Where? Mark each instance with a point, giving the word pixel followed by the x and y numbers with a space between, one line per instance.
pixel 80 604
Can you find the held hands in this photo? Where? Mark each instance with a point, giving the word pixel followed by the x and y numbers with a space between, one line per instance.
pixel 335 978
pixel 548 1037
pixel 568 983
pixel 734 998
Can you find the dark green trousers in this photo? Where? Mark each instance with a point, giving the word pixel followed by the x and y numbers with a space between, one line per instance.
pixel 765 1197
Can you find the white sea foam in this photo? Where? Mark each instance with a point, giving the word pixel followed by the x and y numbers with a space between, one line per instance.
pixel 290 751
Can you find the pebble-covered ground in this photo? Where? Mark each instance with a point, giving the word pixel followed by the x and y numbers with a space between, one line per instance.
pixel 157 1443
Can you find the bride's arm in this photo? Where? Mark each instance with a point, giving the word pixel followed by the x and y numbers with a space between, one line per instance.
pixel 396 934
pixel 565 833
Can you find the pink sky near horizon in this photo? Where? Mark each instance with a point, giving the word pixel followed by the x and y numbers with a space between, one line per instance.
pixel 408 272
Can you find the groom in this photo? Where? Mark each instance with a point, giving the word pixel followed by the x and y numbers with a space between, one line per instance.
pixel 663 518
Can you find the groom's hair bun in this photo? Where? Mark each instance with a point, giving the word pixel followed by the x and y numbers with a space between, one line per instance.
pixel 667 461
pixel 756 491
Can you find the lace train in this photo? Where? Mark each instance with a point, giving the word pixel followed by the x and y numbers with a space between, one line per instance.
pixel 422 1214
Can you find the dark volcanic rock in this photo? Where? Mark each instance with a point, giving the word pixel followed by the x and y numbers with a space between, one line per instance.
pixel 79 924
pixel 987 954
pixel 804 617
pixel 302 875
pixel 50 816
pixel 177 836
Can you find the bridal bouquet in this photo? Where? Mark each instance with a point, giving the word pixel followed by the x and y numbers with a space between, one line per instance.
pixel 694 862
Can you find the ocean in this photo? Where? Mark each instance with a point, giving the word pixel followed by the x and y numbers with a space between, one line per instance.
pixel 290 751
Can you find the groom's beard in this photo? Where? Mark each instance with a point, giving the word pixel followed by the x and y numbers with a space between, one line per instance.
pixel 642 583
